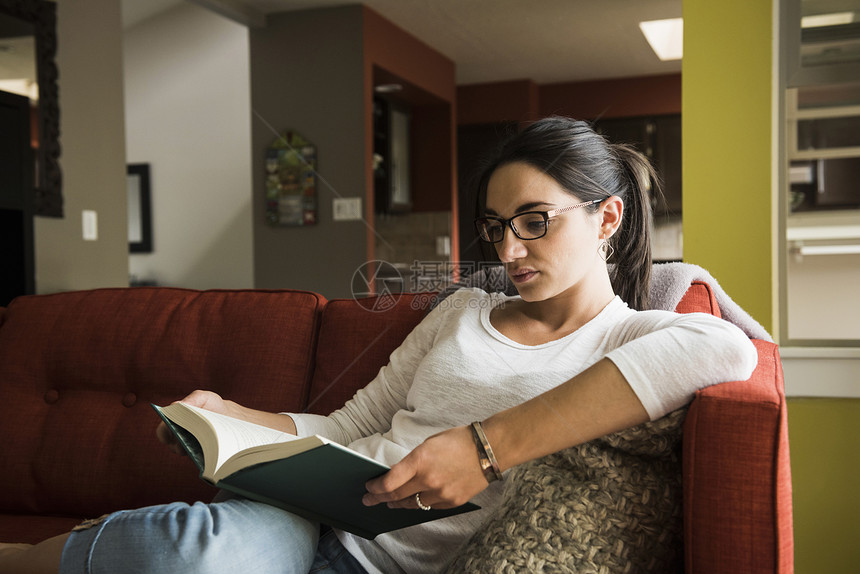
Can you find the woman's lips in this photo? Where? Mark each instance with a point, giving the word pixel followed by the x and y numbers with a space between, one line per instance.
pixel 522 275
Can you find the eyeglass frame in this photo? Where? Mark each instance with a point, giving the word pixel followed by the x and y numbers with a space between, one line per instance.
pixel 546 217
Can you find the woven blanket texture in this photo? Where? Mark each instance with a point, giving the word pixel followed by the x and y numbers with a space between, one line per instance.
pixel 611 505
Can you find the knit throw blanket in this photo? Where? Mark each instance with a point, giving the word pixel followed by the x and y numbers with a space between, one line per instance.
pixel 612 505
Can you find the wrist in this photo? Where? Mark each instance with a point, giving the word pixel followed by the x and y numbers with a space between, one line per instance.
pixel 277 421
pixel 486 456
pixel 235 410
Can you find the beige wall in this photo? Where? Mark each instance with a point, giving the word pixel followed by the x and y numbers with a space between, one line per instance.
pixel 188 115
pixel 92 136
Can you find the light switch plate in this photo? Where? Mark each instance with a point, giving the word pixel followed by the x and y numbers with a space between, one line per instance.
pixel 346 208
pixel 90 223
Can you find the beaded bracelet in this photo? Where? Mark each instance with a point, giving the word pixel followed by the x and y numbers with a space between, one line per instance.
pixel 489 464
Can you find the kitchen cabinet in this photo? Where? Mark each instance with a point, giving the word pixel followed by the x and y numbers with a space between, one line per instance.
pixel 823 147
pixel 475 144
pixel 659 138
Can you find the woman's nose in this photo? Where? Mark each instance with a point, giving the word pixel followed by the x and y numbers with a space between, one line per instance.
pixel 511 247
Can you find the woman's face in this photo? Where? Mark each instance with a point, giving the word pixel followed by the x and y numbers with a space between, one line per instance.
pixel 565 261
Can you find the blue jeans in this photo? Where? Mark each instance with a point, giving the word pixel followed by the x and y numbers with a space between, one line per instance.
pixel 233 536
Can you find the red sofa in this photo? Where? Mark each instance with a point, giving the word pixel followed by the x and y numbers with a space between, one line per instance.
pixel 79 370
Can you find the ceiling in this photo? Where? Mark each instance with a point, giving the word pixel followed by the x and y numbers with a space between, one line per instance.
pixel 547 41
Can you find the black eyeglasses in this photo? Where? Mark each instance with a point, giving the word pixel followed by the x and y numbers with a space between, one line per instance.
pixel 527 225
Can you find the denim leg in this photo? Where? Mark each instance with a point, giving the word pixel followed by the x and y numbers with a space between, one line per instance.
pixel 333 558
pixel 236 536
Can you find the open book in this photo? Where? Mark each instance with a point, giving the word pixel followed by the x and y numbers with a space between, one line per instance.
pixel 309 476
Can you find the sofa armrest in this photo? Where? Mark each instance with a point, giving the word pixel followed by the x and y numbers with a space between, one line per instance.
pixel 737 478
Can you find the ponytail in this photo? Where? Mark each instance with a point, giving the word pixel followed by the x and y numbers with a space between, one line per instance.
pixel 631 273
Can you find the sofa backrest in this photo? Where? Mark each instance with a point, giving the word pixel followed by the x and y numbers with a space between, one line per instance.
pixel 357 337
pixel 81 369
pixel 355 340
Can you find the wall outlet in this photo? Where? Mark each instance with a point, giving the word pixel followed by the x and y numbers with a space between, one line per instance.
pixel 346 208
pixel 90 223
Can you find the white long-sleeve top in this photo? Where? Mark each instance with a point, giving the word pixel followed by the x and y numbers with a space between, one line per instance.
pixel 455 368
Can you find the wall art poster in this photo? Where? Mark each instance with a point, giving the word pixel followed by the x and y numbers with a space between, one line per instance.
pixel 291 177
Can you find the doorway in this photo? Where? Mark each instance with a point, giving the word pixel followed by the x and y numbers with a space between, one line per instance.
pixel 17 275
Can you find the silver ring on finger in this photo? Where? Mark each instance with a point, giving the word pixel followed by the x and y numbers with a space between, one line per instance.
pixel 420 504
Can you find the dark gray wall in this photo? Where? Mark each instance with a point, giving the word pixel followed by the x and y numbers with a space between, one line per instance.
pixel 306 76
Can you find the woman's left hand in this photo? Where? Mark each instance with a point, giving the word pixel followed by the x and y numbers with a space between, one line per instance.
pixel 444 470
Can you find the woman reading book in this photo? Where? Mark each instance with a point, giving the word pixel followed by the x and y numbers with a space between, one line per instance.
pixel 574 373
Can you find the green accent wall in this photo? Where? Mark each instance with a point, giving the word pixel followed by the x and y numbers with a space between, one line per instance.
pixel 726 119
pixel 824 438
pixel 728 229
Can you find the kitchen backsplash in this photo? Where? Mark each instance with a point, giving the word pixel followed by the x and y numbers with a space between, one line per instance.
pixel 408 237
pixel 417 245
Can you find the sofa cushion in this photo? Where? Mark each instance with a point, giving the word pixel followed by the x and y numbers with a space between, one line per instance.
pixel 355 340
pixel 34 528
pixel 79 371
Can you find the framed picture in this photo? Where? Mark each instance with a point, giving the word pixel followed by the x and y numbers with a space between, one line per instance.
pixel 291 181
pixel 139 209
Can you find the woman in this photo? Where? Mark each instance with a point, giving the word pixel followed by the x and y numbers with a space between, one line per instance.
pixel 565 362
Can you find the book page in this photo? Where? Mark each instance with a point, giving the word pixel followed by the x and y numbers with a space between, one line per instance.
pixel 235 435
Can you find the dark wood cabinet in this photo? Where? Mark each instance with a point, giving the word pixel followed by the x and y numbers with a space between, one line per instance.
pixel 475 143
pixel 659 138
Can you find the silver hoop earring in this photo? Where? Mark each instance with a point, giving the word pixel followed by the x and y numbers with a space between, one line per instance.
pixel 605 249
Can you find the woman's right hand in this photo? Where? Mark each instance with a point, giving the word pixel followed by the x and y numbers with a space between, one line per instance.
pixel 203 399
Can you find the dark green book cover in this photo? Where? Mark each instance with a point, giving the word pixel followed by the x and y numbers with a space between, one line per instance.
pixel 325 483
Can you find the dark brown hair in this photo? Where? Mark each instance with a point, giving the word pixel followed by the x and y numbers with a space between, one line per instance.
pixel 588 166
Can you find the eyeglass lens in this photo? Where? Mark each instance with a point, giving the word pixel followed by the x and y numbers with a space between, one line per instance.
pixel 531 225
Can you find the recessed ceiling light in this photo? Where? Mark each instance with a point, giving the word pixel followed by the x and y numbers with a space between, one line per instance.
pixel 666 37
pixel 821 20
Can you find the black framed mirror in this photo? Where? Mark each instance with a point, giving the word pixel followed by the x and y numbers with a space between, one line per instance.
pixel 42 17
pixel 139 209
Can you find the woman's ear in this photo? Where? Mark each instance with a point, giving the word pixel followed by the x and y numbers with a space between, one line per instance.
pixel 611 210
